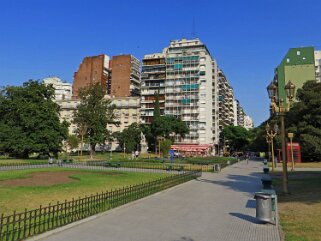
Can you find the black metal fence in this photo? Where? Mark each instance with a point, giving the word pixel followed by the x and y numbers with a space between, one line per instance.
pixel 31 222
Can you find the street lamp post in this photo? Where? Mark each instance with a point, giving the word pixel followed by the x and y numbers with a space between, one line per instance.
pixel 268 141
pixel 270 134
pixel 290 136
pixel 279 107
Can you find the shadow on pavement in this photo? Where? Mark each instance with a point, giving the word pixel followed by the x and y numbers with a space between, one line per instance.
pixel 245 217
pixel 249 183
pixel 251 204
pixel 184 239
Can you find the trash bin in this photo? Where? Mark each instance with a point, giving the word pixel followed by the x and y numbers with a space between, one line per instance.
pixel 217 168
pixel 264 207
pixel 266 170
pixel 266 182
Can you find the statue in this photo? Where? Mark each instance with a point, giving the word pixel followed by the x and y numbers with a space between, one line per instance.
pixel 143 144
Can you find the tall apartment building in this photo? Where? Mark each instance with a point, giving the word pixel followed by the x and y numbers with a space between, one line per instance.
pixel 119 77
pixel 183 75
pixel 240 115
pixel 188 89
pixel 92 70
pixel 215 107
pixel 125 76
pixel 152 80
pixel 191 87
pixel 226 101
pixel 235 104
pixel 63 90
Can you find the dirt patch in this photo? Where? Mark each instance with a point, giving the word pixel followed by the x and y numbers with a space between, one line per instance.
pixel 47 178
pixel 41 179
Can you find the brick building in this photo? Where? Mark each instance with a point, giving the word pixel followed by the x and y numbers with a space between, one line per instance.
pixel 125 78
pixel 92 70
pixel 119 77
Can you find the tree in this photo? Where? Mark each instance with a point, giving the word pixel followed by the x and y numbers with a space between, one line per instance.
pixel 304 120
pixel 237 136
pixel 73 141
pixel 129 137
pixel 165 146
pixel 258 136
pixel 29 120
pixel 94 112
pixel 167 126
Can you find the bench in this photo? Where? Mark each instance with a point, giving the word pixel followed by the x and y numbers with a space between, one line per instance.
pixel 112 164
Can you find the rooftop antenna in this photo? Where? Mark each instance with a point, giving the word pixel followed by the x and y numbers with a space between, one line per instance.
pixel 193 29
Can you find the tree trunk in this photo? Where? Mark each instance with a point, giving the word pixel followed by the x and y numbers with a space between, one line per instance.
pixel 92 150
pixel 82 144
pixel 22 155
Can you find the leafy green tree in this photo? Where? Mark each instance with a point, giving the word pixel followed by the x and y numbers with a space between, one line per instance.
pixel 29 120
pixel 166 126
pixel 258 139
pixel 129 137
pixel 237 136
pixel 165 147
pixel 94 112
pixel 73 141
pixel 304 120
pixel 258 136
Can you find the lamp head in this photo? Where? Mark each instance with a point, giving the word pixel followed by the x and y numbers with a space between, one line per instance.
pixel 289 90
pixel 272 90
pixel 276 128
pixel 267 127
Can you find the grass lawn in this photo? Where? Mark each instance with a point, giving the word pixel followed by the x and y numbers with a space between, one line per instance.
pixel 32 188
pixel 302 164
pixel 300 212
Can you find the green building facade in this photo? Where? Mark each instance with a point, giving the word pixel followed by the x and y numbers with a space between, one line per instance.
pixel 298 66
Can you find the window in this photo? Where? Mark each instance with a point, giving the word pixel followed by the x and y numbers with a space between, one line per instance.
pixel 288 60
pixel 298 52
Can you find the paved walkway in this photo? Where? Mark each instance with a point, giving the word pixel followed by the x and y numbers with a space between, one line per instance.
pixel 215 207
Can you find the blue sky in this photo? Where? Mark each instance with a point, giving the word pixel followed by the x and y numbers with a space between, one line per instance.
pixel 248 39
